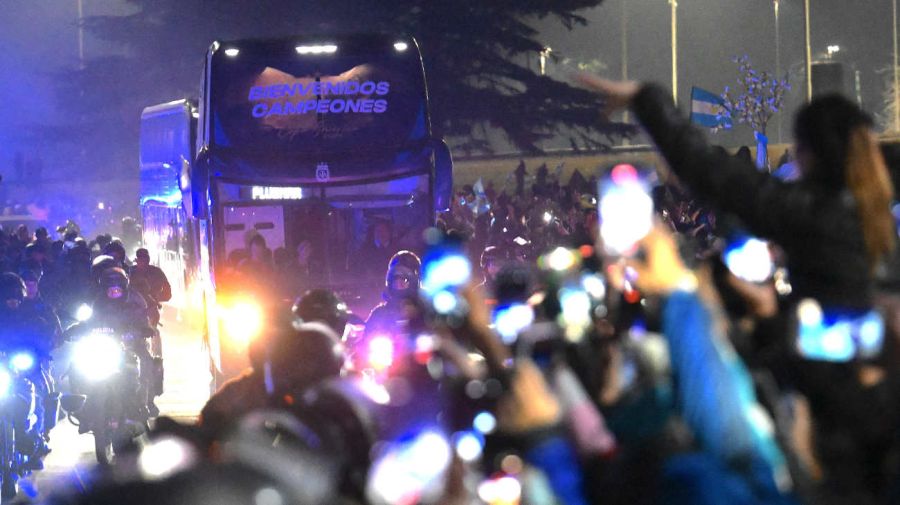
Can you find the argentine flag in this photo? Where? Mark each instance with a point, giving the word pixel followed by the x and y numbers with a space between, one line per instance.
pixel 705 107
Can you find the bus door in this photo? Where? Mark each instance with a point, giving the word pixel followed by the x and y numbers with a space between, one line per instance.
pixel 241 222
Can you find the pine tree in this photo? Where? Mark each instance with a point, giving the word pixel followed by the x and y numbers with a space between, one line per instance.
pixel 474 52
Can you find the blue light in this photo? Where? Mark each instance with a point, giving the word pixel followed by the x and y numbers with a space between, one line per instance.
pixel 750 260
pixel 485 423
pixel 509 321
pixel 171 199
pixel 468 445
pixel 450 271
pixel 22 361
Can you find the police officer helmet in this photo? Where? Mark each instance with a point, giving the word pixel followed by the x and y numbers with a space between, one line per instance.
pixel 408 261
pixel 114 277
pixel 325 306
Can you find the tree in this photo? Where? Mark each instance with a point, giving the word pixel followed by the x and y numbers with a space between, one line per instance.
pixel 475 56
pixel 760 96
pixel 887 118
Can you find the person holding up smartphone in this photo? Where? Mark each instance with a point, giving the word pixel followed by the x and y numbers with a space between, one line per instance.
pixel 835 223
pixel 836 227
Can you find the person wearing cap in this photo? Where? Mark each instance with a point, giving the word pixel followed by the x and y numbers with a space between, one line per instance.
pixel 150 281
pixel 284 363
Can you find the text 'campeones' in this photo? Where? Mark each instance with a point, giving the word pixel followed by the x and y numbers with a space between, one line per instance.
pixel 363 103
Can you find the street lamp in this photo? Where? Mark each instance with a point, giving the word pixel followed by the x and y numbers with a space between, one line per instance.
pixel 80 33
pixel 625 117
pixel 808 53
pixel 544 55
pixel 674 4
pixel 832 50
pixel 778 57
pixel 896 76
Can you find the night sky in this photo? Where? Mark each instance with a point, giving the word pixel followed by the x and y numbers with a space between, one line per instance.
pixel 38 37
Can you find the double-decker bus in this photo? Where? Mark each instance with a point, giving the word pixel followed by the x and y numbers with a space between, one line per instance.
pixel 323 147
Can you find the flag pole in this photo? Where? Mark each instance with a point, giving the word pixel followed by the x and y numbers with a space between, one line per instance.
pixel 896 76
pixel 625 116
pixel 808 53
pixel 80 33
pixel 778 57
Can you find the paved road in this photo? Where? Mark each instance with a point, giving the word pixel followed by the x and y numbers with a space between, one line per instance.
pixel 186 390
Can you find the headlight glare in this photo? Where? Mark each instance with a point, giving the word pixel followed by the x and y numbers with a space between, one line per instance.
pixel 97 356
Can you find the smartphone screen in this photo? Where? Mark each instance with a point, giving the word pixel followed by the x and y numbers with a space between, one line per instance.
pixel 839 339
pixel 749 259
pixel 510 320
pixel 625 208
pixel 445 269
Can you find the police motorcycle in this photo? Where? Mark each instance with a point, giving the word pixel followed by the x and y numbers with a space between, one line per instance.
pixel 111 375
pixel 20 439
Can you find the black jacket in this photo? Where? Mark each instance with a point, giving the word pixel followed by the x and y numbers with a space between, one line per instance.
pixel 819 228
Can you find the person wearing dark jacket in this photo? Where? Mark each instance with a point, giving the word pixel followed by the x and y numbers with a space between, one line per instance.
pixel 836 227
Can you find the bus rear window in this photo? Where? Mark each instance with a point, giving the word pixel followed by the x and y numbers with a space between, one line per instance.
pixel 321 102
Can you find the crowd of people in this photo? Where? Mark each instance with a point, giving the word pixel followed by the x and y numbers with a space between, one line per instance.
pixel 44 281
pixel 549 369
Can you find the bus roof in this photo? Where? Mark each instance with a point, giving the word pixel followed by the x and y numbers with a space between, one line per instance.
pixel 309 95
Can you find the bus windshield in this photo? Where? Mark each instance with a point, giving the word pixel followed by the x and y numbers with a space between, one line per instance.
pixel 316 235
pixel 293 101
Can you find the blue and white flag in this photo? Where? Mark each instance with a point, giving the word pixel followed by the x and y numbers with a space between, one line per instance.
pixel 706 109
pixel 481 204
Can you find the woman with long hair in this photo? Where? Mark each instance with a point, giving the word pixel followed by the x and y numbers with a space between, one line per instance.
pixel 836 227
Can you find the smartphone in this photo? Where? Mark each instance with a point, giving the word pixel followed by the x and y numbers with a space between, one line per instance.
pixel 838 338
pixel 445 269
pixel 749 259
pixel 509 320
pixel 625 208
pixel 411 470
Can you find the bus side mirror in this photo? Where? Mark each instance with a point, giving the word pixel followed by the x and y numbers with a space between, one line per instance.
pixel 443 177
pixel 199 186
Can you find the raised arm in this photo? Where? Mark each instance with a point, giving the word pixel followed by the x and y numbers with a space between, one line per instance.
pixel 768 206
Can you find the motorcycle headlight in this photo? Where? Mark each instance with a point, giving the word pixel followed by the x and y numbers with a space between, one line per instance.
pixel 84 312
pixel 97 356
pixel 381 352
pixel 22 361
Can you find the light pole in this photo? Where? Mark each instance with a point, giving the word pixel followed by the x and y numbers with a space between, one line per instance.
pixel 896 76
pixel 80 34
pixel 778 58
pixel 544 55
pixel 808 53
pixel 674 4
pixel 625 116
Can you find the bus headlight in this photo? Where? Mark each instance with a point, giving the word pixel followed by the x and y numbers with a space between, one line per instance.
pixel 242 321
pixel 97 356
